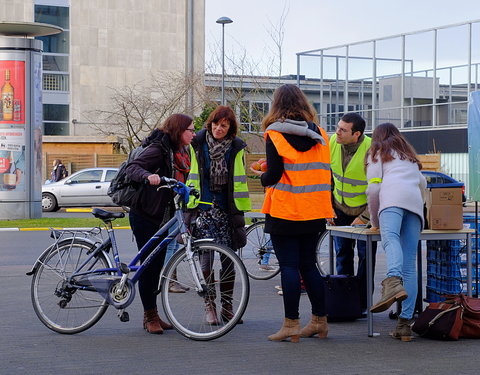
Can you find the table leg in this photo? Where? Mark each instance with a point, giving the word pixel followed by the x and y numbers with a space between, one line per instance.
pixel 419 301
pixel 330 255
pixel 369 286
pixel 469 265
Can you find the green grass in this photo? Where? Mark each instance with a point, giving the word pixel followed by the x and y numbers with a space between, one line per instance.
pixel 60 223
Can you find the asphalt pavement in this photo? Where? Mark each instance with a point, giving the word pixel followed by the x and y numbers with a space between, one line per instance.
pixel 28 347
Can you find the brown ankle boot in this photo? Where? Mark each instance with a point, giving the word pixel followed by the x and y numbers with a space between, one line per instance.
pixel 151 322
pixel 290 328
pixel 403 330
pixel 210 296
pixel 227 283
pixel 392 290
pixel 211 313
pixel 317 325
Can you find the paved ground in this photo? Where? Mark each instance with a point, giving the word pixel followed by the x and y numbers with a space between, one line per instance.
pixel 27 347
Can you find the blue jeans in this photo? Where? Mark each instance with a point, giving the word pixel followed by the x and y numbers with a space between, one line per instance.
pixel 400 230
pixel 297 256
pixel 345 251
pixel 268 245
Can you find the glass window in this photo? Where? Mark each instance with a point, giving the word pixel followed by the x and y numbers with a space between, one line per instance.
pixel 53 15
pixel 244 111
pixel 87 177
pixel 56 128
pixel 58 43
pixel 55 112
pixel 259 110
pixel 110 175
pixel 55 63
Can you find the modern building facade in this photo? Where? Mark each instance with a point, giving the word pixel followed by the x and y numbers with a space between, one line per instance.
pixel 420 81
pixel 107 45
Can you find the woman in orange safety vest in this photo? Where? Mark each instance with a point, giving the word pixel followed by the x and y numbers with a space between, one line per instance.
pixel 297 202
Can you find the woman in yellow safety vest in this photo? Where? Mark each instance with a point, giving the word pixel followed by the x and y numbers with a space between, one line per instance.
pixel 217 170
pixel 297 202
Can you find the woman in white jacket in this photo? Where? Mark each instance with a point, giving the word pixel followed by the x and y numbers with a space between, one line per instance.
pixel 395 200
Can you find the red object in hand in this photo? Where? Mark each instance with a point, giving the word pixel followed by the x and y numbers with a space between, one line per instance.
pixel 263 166
pixel 256 166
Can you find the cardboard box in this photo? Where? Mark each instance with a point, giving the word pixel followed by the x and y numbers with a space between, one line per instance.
pixel 444 208
pixel 443 216
pixel 444 196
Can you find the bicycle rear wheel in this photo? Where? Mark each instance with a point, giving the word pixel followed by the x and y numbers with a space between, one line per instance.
pixel 226 284
pixel 258 255
pixel 60 307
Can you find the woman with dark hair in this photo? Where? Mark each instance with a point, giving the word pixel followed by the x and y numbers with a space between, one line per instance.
pixel 166 155
pixel 218 172
pixel 297 202
pixel 395 201
pixel 59 172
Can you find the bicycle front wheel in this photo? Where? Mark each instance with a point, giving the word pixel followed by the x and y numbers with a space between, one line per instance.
pixel 323 254
pixel 59 306
pixel 258 255
pixel 226 291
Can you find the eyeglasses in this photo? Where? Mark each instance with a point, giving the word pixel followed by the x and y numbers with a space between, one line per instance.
pixel 190 130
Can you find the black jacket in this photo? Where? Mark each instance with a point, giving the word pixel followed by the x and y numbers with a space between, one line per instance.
pixel 156 206
pixel 237 218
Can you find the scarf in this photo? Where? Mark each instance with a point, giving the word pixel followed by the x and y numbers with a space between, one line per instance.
pixel 181 164
pixel 218 165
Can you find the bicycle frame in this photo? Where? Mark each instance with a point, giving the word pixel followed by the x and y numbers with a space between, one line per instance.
pixel 134 266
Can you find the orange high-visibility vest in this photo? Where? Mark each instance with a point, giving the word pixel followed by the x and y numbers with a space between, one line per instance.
pixel 304 190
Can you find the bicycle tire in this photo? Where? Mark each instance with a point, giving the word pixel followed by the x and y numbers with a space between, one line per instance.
pixel 257 249
pixel 66 310
pixel 186 311
pixel 323 254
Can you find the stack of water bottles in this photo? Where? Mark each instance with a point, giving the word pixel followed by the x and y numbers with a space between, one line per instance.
pixel 447 266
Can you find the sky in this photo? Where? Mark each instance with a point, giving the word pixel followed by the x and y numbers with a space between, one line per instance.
pixel 314 24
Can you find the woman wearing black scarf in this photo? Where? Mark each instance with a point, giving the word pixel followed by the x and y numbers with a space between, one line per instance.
pixel 217 163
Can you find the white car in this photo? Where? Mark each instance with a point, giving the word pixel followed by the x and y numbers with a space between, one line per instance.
pixel 84 188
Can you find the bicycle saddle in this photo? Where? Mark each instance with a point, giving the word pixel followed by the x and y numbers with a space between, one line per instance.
pixel 106 215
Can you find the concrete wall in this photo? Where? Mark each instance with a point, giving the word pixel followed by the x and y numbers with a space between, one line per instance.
pixel 121 43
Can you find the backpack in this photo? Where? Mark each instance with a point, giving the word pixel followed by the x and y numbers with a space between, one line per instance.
pixel 63 172
pixel 123 190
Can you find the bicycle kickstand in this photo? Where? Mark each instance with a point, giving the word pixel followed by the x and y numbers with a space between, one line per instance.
pixel 123 315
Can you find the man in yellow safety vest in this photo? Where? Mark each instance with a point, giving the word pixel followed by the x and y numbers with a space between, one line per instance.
pixel 348 147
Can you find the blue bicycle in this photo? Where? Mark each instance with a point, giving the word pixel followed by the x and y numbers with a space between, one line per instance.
pixel 79 276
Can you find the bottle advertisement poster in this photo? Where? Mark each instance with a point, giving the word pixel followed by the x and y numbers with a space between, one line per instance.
pixel 12 86
pixel 12 125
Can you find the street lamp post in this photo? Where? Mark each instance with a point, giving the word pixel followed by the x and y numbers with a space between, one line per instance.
pixel 223 21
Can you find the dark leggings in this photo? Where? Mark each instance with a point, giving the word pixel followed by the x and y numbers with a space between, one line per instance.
pixel 296 256
pixel 143 230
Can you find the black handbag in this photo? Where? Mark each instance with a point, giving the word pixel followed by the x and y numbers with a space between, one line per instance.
pixel 342 298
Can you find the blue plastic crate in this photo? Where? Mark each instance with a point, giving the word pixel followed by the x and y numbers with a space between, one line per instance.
pixel 449 286
pixel 433 295
pixel 475 258
pixel 433 267
pixel 470 219
pixel 432 282
pixel 474 288
pixel 450 270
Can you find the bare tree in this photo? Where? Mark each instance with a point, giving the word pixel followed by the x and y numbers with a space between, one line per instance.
pixel 277 34
pixel 136 110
